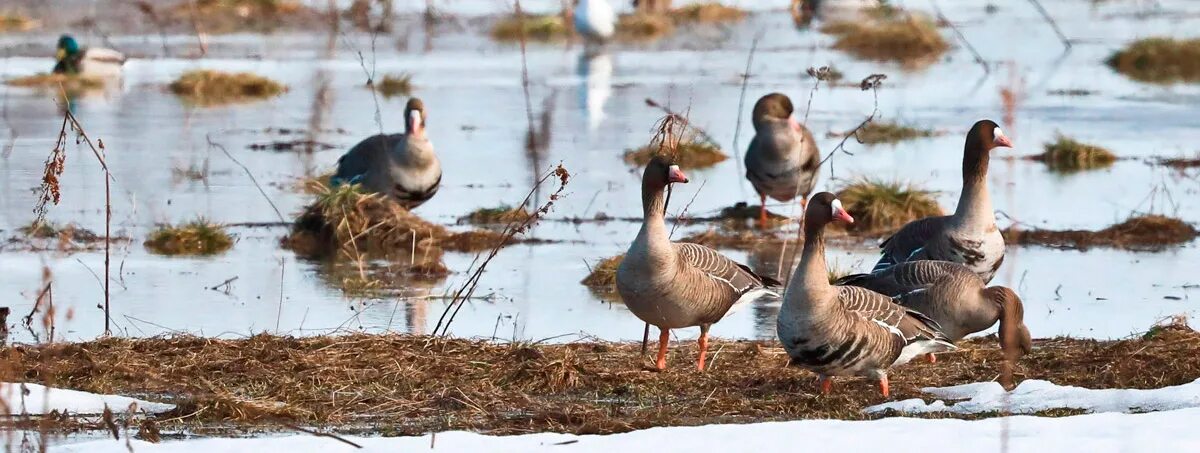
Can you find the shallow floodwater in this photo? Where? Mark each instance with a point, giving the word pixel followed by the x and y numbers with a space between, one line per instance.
pixel 477 120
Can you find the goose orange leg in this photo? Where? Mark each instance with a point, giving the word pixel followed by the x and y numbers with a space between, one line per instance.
pixel 932 358
pixel 703 346
pixel 883 385
pixel 664 337
pixel 762 209
pixel 825 383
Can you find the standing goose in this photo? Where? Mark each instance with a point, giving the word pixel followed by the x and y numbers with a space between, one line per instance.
pixel 677 285
pixel 846 330
pixel 955 297
pixel 595 20
pixel 783 158
pixel 69 58
pixel 401 166
pixel 969 236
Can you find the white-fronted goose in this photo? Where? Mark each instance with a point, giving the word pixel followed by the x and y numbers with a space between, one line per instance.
pixel 677 285
pixel 969 236
pixel 595 20
pixel 783 158
pixel 91 61
pixel 401 166
pixel 955 297
pixel 846 330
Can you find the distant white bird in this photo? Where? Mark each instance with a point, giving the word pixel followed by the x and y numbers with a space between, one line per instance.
pixel 90 61
pixel 595 20
pixel 596 69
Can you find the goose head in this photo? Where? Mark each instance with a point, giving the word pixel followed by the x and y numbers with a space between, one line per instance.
pixel 822 209
pixel 660 172
pixel 773 107
pixel 1015 340
pixel 985 136
pixel 414 118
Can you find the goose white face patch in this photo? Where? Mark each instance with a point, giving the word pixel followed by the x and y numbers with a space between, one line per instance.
pixel 997 133
pixel 415 115
pixel 837 207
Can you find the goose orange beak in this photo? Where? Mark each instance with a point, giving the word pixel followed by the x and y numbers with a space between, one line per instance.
pixel 1002 140
pixel 674 174
pixel 843 216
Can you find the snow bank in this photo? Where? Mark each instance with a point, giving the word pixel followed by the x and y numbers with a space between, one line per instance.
pixel 1036 395
pixel 39 399
pixel 1093 433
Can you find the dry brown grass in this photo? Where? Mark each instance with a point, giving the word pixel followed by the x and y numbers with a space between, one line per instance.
pixel 49 236
pixel 602 279
pixel 707 12
pixel 690 154
pixel 910 39
pixel 198 237
pixel 11 22
pixel 1159 60
pixel 881 132
pixel 1067 155
pixel 503 214
pixel 393 85
pixel 72 84
pixel 1149 232
pixel 880 206
pixel 643 26
pixel 415 385
pixel 533 27
pixel 228 16
pixel 208 87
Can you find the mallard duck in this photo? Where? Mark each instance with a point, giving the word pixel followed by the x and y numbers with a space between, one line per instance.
pixel 90 61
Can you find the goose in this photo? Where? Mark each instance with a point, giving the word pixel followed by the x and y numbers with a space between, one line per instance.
pixel 783 158
pixel 92 61
pixel 675 285
pixel 401 166
pixel 846 330
pixel 956 298
pixel 595 20
pixel 969 236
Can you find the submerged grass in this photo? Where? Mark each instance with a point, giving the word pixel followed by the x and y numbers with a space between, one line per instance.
pixel 10 22
pixel 706 12
pixel 198 237
pixel 602 280
pixel 1067 155
pixel 533 27
pixel 643 26
pixel 1159 60
pixel 503 214
pixel 879 206
pixel 418 384
pixel 393 85
pixel 72 84
pixel 690 154
pixel 226 16
pixel 877 132
pixel 910 39
pixel 208 87
pixel 1147 233
pixel 49 236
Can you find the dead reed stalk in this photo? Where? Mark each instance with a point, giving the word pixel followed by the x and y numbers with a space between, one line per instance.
pixel 467 290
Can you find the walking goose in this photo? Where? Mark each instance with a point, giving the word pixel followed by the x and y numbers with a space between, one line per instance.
pixel 69 58
pixel 401 166
pixel 595 20
pixel 969 236
pixel 676 285
pixel 783 158
pixel 846 330
pixel 956 298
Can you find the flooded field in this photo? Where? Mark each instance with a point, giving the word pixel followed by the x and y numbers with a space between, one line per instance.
pixel 164 169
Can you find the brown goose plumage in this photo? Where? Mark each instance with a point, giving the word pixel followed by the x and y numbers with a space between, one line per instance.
pixel 677 285
pixel 782 159
pixel 969 236
pixel 846 330
pixel 955 297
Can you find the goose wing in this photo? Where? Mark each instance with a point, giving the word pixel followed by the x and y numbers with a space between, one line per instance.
pixel 904 244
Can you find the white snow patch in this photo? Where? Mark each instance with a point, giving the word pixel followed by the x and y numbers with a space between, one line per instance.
pixel 1093 433
pixel 36 399
pixel 1036 395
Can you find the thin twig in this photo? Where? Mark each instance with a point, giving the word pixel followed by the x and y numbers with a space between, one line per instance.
pixel 254 180
pixel 1046 15
pixel 686 123
pixel 987 69
pixel 737 128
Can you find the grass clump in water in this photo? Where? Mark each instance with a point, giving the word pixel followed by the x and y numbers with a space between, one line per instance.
pixel 503 214
pixel 208 87
pixel 393 85
pixel 198 237
pixel 906 38
pixel 225 16
pixel 603 277
pixel 639 26
pixel 10 22
pixel 689 155
pixel 875 133
pixel 1159 60
pixel 1068 155
pixel 533 27
pixel 72 84
pixel 1142 233
pixel 879 206
pixel 708 12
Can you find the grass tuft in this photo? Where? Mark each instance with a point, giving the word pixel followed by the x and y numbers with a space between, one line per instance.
pixel 1159 60
pixel 879 206
pixel 198 237
pixel 642 26
pixel 10 22
pixel 707 12
pixel 1142 233
pixel 603 277
pixel 888 132
pixel 503 214
pixel 393 85
pixel 208 87
pixel 535 28
pixel 910 39
pixel 690 155
pixel 226 16
pixel 72 84
pixel 1068 155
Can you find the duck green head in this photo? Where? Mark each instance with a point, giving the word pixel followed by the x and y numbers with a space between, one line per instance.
pixel 67 46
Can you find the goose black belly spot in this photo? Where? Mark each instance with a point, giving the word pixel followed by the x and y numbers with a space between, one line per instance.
pixel 970 251
pixel 996 266
pixel 824 354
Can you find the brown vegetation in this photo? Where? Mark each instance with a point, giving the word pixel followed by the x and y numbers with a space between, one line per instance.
pixel 208 87
pixel 603 276
pixel 72 84
pixel 414 385
pixel 910 39
pixel 1068 155
pixel 393 85
pixel 707 12
pixel 689 154
pixel 879 206
pixel 10 22
pixel 502 214
pixel 48 236
pixel 879 132
pixel 532 27
pixel 1159 60
pixel 198 237
pixel 1149 233
pixel 228 16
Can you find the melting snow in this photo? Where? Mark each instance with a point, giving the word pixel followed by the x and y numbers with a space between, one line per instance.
pixel 1036 395
pixel 34 399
